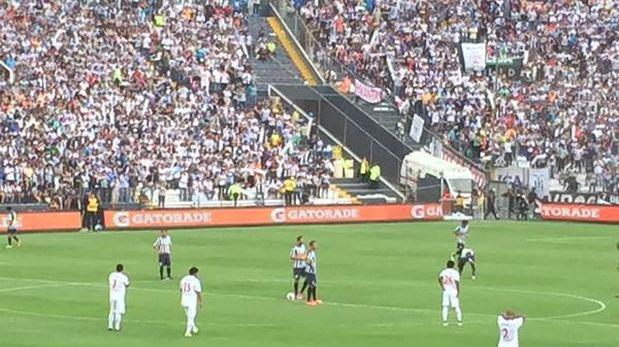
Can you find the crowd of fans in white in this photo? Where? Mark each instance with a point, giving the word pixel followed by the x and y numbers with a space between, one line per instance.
pixel 131 97
pixel 561 110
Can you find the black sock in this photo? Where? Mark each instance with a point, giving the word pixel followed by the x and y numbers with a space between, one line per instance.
pixel 296 288
pixel 309 294
pixel 313 291
pixel 15 238
pixel 161 272
pixel 10 240
pixel 473 267
pixel 169 271
pixel 303 287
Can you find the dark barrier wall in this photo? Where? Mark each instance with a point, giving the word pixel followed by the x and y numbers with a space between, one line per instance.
pixel 351 126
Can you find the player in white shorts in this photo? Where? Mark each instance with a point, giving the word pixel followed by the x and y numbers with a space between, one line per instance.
pixel 118 283
pixel 509 323
pixel 449 280
pixel 191 299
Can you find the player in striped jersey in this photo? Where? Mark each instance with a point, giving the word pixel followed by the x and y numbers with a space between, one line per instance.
pixel 11 232
pixel 461 232
pixel 163 247
pixel 465 256
pixel 297 255
pixel 311 270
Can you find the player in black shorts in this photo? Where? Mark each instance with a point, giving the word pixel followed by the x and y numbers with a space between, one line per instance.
pixel 11 232
pixel 465 256
pixel 311 271
pixel 297 255
pixel 163 247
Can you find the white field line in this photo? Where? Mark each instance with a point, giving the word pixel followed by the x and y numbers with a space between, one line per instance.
pixel 558 318
pixel 570 238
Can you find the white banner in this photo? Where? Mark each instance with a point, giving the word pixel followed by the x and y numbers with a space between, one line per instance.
pixel 474 56
pixel 416 128
pixel 369 94
pixel 540 180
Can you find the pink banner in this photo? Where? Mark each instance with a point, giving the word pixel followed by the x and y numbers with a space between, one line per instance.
pixel 369 94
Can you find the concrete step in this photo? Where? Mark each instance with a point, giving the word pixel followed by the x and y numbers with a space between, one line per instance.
pixel 278 69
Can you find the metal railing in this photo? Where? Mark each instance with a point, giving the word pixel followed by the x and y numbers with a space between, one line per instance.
pixel 330 67
pixel 333 69
pixel 353 139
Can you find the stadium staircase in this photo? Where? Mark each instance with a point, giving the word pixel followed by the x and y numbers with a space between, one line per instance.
pixel 279 69
pixel 361 192
pixel 288 67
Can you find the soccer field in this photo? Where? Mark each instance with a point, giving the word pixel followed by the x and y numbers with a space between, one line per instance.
pixel 378 283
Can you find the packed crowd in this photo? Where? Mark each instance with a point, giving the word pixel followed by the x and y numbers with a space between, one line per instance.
pixel 559 110
pixel 129 97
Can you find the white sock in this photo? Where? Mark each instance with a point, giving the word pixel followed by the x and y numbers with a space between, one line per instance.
pixel 110 320
pixel 458 314
pixel 194 328
pixel 445 310
pixel 117 318
pixel 189 326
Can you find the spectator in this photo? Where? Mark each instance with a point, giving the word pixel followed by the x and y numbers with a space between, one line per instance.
pixel 106 99
pixel 557 110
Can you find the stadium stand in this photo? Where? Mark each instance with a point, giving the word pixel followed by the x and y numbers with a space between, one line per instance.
pixel 138 100
pixel 558 108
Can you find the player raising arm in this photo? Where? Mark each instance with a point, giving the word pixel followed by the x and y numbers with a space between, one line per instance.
pixel 297 255
pixel 449 281
pixel 191 299
pixel 118 283
pixel 509 323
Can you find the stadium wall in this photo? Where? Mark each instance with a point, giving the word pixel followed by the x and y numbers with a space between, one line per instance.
pixel 580 213
pixel 223 217
pixel 257 216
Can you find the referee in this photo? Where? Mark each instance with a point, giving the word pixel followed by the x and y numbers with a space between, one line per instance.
pixel 163 247
pixel 11 232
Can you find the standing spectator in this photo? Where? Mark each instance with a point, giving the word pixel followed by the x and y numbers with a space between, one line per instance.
pixel 491 205
pixel 161 195
pixel 289 188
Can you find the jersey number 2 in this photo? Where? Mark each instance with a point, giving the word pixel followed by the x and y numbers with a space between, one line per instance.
pixel 505 334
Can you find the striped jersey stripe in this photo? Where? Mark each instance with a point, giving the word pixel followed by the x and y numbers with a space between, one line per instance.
pixel 312 265
pixel 295 252
pixel 163 244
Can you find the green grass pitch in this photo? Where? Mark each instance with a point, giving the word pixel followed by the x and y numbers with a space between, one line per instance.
pixel 378 283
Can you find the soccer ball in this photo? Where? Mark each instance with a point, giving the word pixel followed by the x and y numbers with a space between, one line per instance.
pixel 290 296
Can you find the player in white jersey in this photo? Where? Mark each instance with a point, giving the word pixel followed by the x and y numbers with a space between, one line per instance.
pixel 163 247
pixel 509 323
pixel 191 299
pixel 297 255
pixel 461 232
pixel 118 283
pixel 449 280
